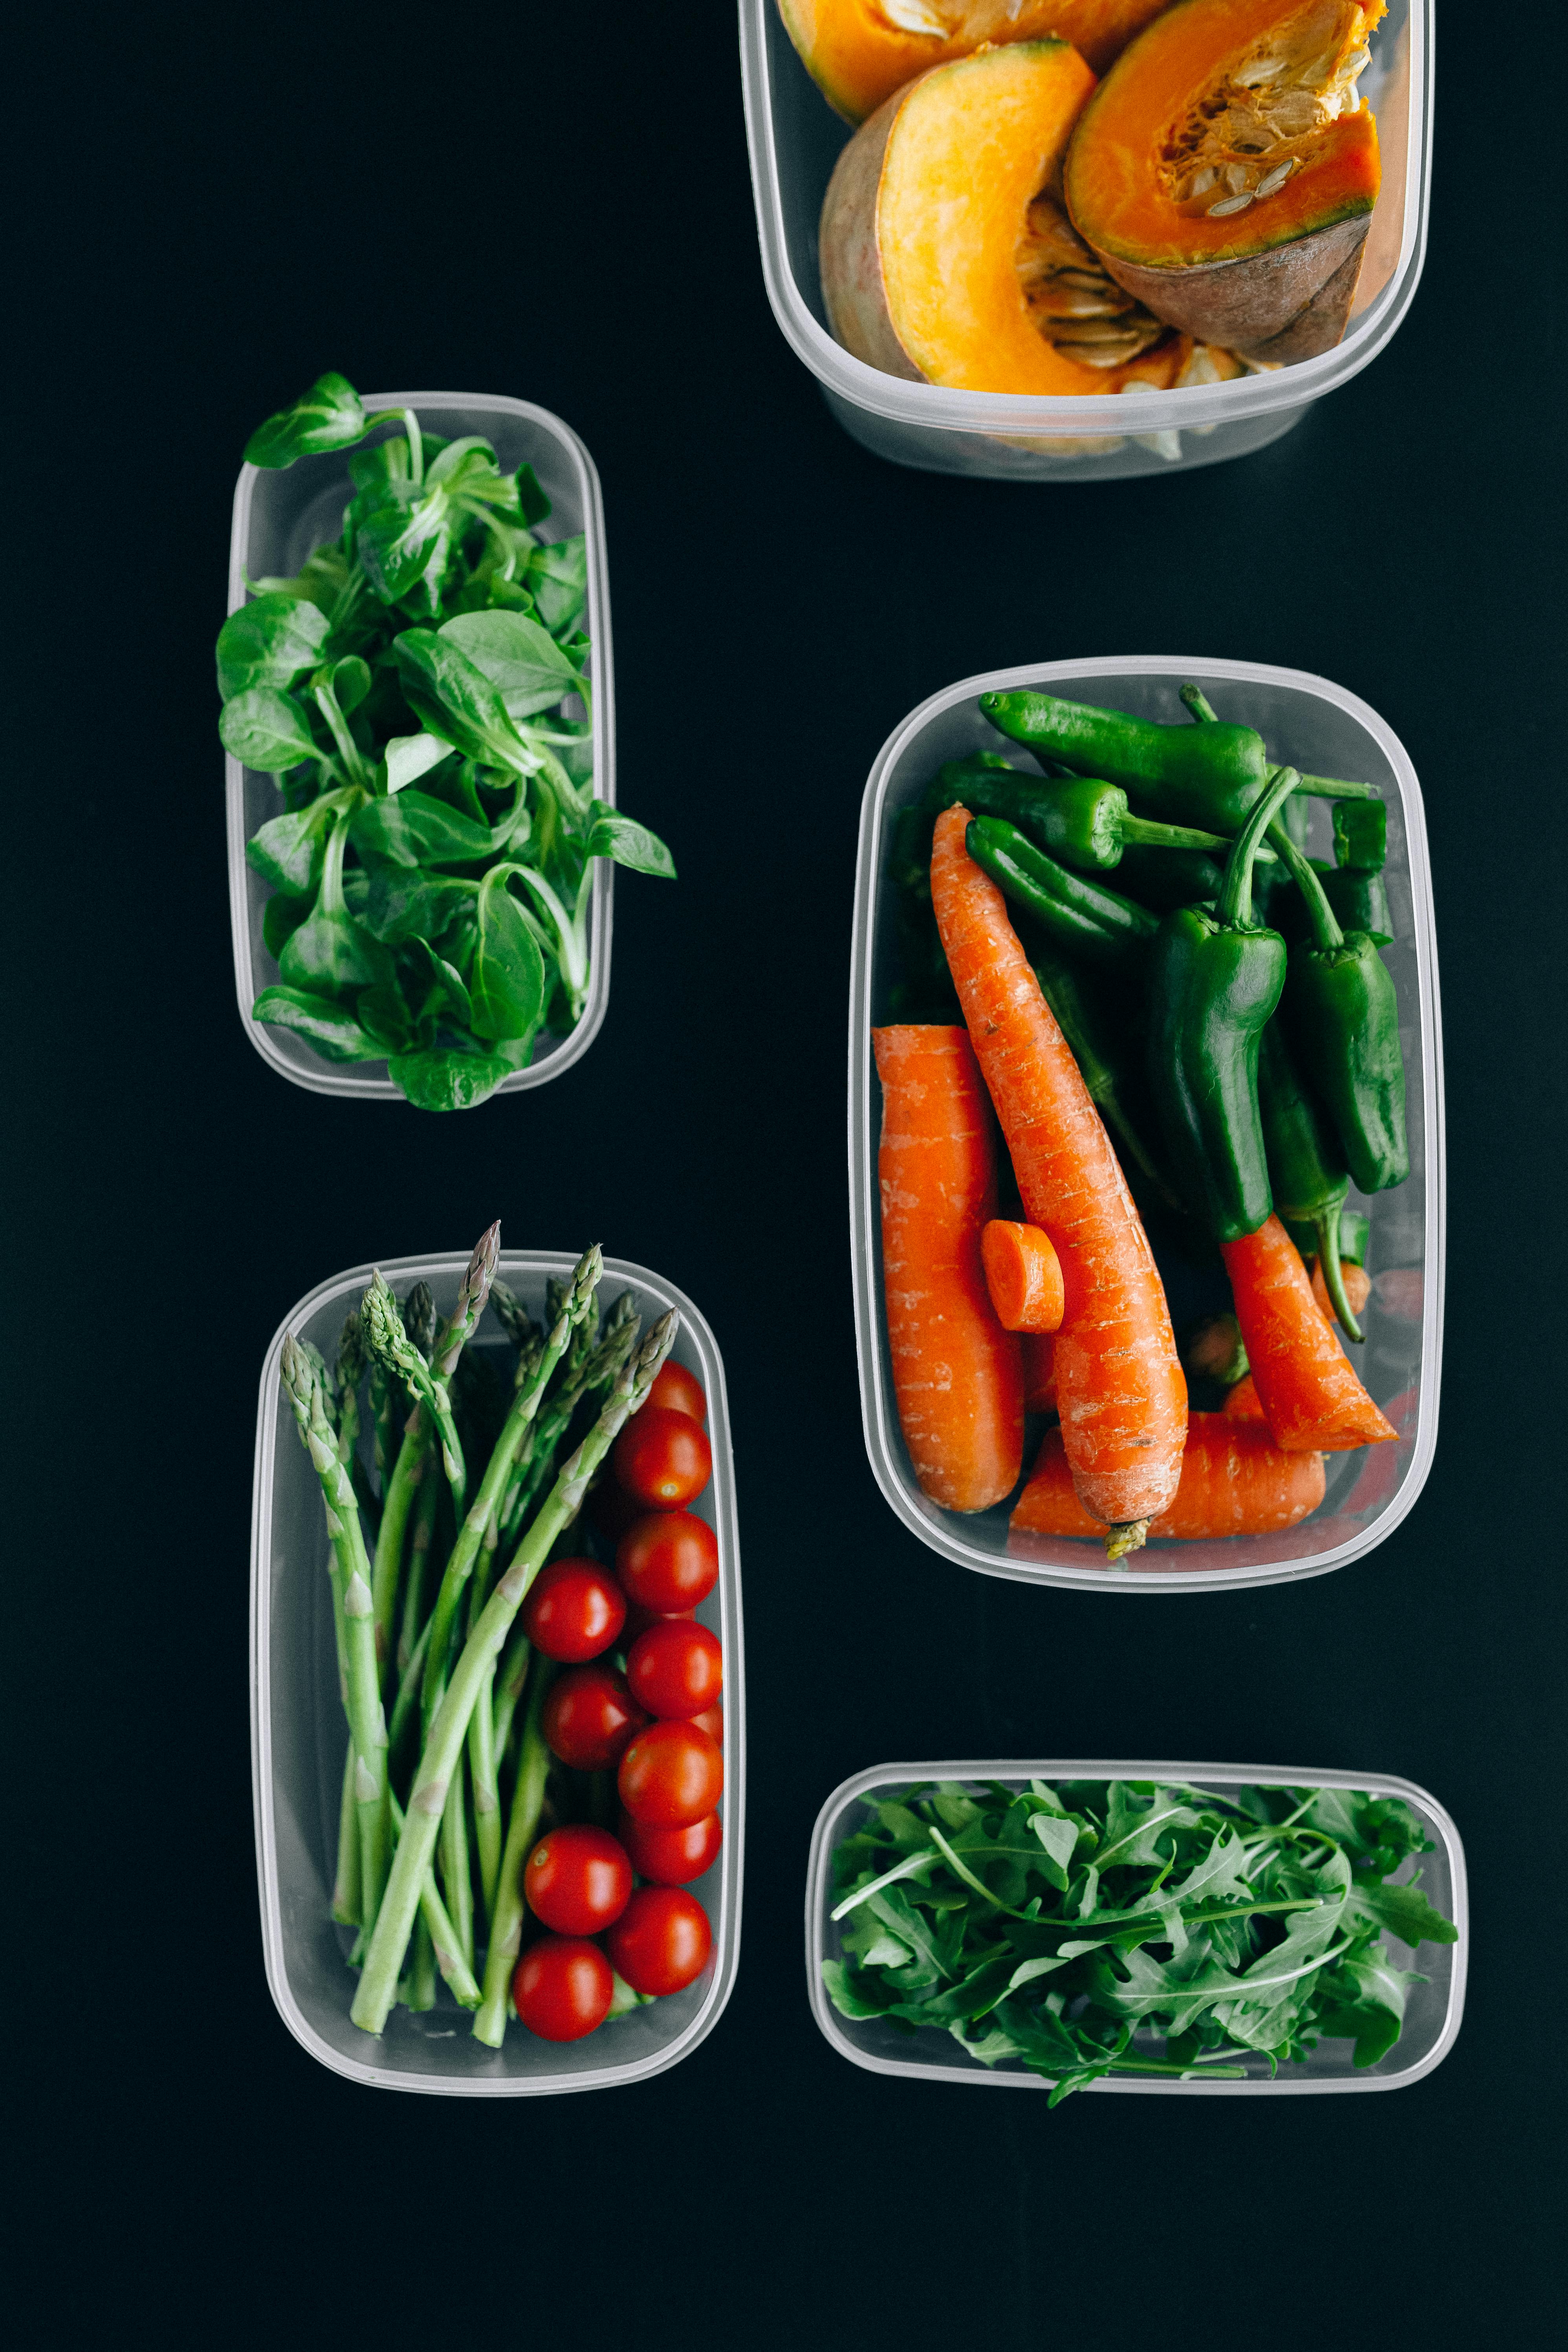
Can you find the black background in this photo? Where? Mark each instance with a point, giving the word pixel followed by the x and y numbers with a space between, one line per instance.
pixel 214 206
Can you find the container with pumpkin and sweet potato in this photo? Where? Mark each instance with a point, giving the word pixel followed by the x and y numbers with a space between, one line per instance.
pixel 1122 1005
pixel 1005 220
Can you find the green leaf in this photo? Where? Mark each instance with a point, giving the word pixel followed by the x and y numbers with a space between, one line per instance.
pixel 508 977
pixel 532 500
pixel 1058 1837
pixel 405 902
pixel 320 581
pixel 629 844
pixel 520 660
pixel 557 577
pixel 1405 1912
pixel 850 1998
pixel 895 1910
pixel 350 682
pixel 457 701
pixel 415 830
pixel 269 642
pixel 446 981
pixel 266 730
pixel 1133 1829
pixel 409 757
pixel 331 1030
pixel 288 851
pixel 330 953
pixel 401 537
pixel 328 416
pixel 441 1078
pixel 280 919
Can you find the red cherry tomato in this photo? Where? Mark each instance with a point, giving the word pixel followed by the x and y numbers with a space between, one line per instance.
pixel 676 1668
pixel 589 1717
pixel 711 1721
pixel 669 1561
pixel 639 1619
pixel 672 1857
pixel 671 1775
pixel 574 1611
pixel 663 1458
pixel 661 1940
pixel 562 1988
pixel 577 1879
pixel 678 1391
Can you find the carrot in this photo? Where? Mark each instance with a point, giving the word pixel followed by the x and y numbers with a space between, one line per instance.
pixel 1040 1372
pixel 1312 1398
pixel 957 1375
pixel 1358 1288
pixel 1119 1389
pixel 1244 1403
pixel 1235 1482
pixel 1024 1275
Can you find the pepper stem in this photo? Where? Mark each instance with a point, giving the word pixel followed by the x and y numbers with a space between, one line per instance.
pixel 1236 895
pixel 1199 705
pixel 1336 788
pixel 1326 932
pixel 1327 1227
pixel 1144 829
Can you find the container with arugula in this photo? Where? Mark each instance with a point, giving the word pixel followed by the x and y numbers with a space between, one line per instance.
pixel 1152 1931
pixel 419 690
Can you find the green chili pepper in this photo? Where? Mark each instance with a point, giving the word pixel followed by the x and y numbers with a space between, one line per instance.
pixel 1354 1230
pixel 1080 916
pixel 1345 1019
pixel 1081 819
pixel 1214 982
pixel 1210 776
pixel 1307 1172
pixel 1111 1081
pixel 1361 834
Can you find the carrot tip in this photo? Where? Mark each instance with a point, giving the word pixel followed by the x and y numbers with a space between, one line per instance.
pixel 1120 1541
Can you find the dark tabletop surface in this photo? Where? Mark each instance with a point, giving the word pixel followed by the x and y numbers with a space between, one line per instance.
pixel 214 206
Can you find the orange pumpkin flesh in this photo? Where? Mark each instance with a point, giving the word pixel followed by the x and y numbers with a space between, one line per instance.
pixel 1225 172
pixel 858 52
pixel 929 258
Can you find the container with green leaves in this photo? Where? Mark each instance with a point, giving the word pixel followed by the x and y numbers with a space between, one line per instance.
pixel 417 709
pixel 1137 1927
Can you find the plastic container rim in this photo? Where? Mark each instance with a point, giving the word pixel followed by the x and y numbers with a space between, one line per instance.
pixel 877 1410
pixel 1382 1784
pixel 1069 414
pixel 335 1078
pixel 436 1265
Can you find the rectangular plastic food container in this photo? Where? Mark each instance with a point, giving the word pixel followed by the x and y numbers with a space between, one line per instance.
pixel 281 517
pixel 796 139
pixel 1431 2018
pixel 1327 733
pixel 299 1736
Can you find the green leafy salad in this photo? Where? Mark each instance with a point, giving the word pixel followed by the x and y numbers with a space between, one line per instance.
pixel 416 691
pixel 1074 1930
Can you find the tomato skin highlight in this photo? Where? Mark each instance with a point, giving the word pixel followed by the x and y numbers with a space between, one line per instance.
pixel 577 1880
pixel 589 1717
pixel 661 1941
pixel 676 1669
pixel 574 1611
pixel 562 1988
pixel 669 1561
pixel 672 1857
pixel 711 1721
pixel 671 1775
pixel 663 1458
pixel 674 1390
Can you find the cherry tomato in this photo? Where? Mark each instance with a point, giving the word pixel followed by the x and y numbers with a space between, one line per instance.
pixel 639 1619
pixel 663 1458
pixel 589 1717
pixel 661 1940
pixel 562 1988
pixel 678 1391
pixel 672 1857
pixel 671 1775
pixel 574 1611
pixel 676 1668
pixel 711 1721
pixel 577 1879
pixel 669 1561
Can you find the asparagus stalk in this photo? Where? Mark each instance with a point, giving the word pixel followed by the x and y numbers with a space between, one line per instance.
pixel 443 1935
pixel 405 1706
pixel 510 1678
pixel 348 1371
pixel 415 1615
pixel 507 1915
pixel 416 1991
pixel 444 1746
pixel 367 1723
pixel 455 1875
pixel 348 1906
pixel 482 1743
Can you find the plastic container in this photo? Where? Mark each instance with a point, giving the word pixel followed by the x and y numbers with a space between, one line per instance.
pixel 796 139
pixel 1327 732
pixel 1432 2016
pixel 280 518
pixel 299 1736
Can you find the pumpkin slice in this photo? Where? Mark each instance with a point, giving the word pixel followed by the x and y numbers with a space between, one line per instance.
pixel 1225 172
pixel 859 51
pixel 946 258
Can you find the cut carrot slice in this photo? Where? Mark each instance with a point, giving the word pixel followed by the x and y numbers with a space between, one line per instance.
pixel 1024 1275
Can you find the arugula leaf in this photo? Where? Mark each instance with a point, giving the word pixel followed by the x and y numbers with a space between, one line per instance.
pixel 269 642
pixel 1405 1912
pixel 329 415
pixel 851 1997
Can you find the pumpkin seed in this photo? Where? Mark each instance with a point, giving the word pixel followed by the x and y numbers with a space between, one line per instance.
pixel 1230 205
pixel 1204 182
pixel 1277 178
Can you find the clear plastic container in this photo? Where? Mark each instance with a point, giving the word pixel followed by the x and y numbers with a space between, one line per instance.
pixel 795 140
pixel 299 1736
pixel 280 518
pixel 1327 732
pixel 1432 2016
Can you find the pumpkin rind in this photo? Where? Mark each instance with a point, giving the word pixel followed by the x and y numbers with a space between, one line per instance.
pixel 859 54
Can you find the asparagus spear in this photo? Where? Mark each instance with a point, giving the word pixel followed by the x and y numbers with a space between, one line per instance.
pixel 505 1921
pixel 367 1723
pixel 352 1359
pixel 444 1747
pixel 348 1904
pixel 513 1318
pixel 442 1932
pixel 593 1370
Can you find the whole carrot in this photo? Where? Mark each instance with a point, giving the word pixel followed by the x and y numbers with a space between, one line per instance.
pixel 957 1375
pixel 1235 1482
pixel 1312 1398
pixel 1119 1390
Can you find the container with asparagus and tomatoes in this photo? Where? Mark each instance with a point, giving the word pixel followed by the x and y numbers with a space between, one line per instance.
pixel 1145 1124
